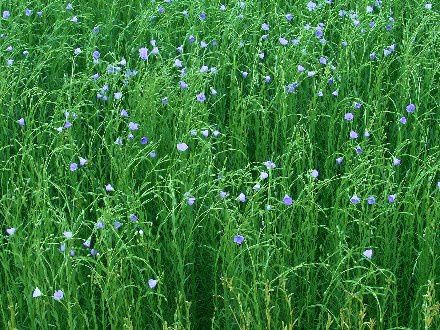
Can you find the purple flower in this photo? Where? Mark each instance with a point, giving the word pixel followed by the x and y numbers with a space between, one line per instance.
pixel 355 199
pixel 161 10
pixel 396 161
pixel 283 41
pixel 99 224
pixel 96 55
pixel 300 68
pixel 348 116
pixel 202 16
pixel 267 79
pixel 143 53
pixel 72 252
pixel 21 122
pixel 182 146
pixel 133 126
pixel 118 95
pixel 73 167
pixel 403 120
pixel 291 88
pixel 244 74
pixel 201 97
pixel 205 133
pixel 191 200
pixel 183 85
pixel 371 200
pixel 108 187
pixel 289 17
pixel 339 160
pixel 223 194
pixel 314 173
pixel 191 39
pixel 270 165
pixel 287 200
pixel 264 175
pixel 358 150
pixel 357 105
pixel 6 14
pixel 410 108
pixel 117 224
pixel 392 198
pixel 133 217
pixel 86 243
pixel 37 293
pixel 10 231
pixel 265 27
pixel 152 283
pixel 323 60
pixel 58 295
pixel 144 140
pixel 238 239
pixel 241 198
pixel 373 56
pixel 353 135
pixel 28 12
pixel 68 234
pixel 311 6
pixel 62 247
pixel 368 253
pixel 93 252
pixel 428 6
pixel 77 51
pixel 82 161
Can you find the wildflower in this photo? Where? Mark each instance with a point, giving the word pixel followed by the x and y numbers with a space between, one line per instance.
pixel 117 224
pixel 269 164
pixel 300 68
pixel 182 147
pixel 152 283
pixel 201 97
pixel 339 160
pixel 118 141
pixel 287 200
pixel 257 187
pixel 265 27
pixel 133 217
pixel 348 116
pixel 183 85
pixel 323 60
pixel 223 194
pixel 241 198
pixel 371 200
pixel 99 224
pixel 314 174
pixel 283 41
pixel 68 234
pixel 353 135
pixel 144 140
pixel 6 14
pixel 368 253
pixel 403 120
pixel 355 199
pixel 411 108
pixel 366 134
pixel 62 247
pixel 11 231
pixel 21 122
pixel 396 161
pixel 311 6
pixel 289 17
pixel 108 187
pixel 74 19
pixel 118 95
pixel 358 150
pixel 238 239
pixel 392 198
pixel 428 6
pixel 143 53
pixel 264 175
pixel 73 167
pixel 133 126
pixel 82 161
pixel 37 293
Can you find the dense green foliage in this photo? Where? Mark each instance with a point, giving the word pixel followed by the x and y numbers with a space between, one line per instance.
pixel 333 258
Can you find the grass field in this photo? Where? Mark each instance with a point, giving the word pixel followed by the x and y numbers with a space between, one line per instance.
pixel 219 165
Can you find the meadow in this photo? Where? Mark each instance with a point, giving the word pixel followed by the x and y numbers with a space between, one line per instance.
pixel 219 164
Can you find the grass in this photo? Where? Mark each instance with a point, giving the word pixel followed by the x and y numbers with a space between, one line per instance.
pixel 299 266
